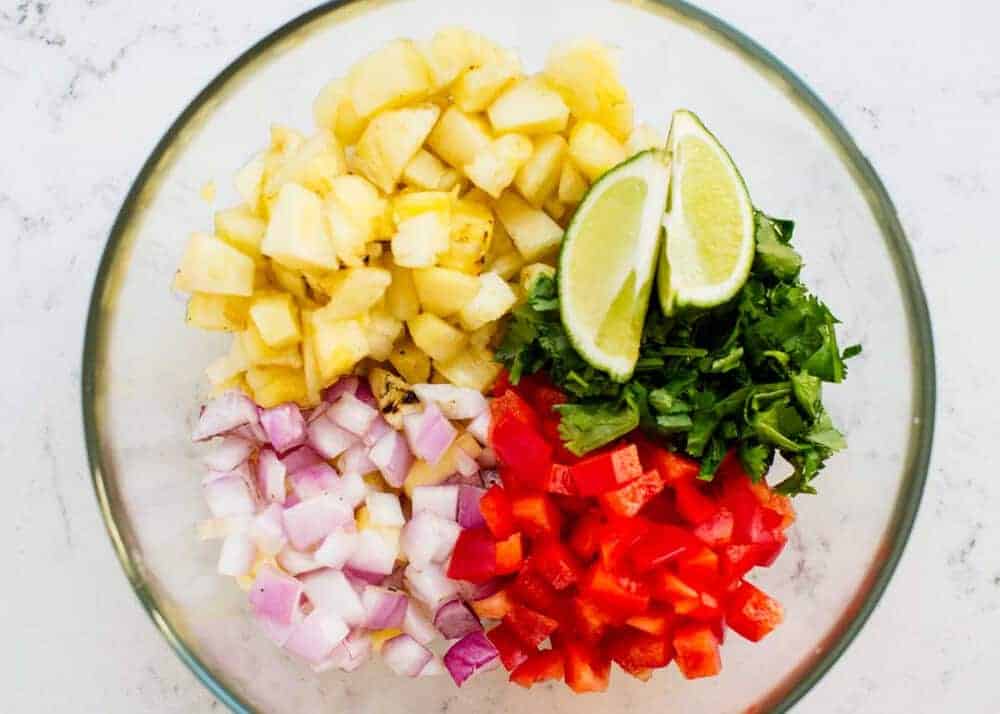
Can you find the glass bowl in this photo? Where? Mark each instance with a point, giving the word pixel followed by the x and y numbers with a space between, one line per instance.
pixel 143 367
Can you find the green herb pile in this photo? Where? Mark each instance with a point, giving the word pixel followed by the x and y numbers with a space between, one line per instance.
pixel 746 375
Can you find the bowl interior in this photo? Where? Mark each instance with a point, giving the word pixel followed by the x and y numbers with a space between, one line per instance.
pixel 143 366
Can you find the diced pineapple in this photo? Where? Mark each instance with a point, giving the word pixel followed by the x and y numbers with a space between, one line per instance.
pixel 425 171
pixel 272 386
pixel 529 107
pixel 259 354
pixel 424 474
pixel 539 176
pixel 473 368
pixel 334 111
pixel 313 165
pixel 226 313
pixel 241 228
pixel 555 208
pixel 586 74
pixel 443 291
pixel 531 273
pixel 594 150
pixel 352 292
pixel 451 179
pixel 292 281
pixel 276 318
pixel 411 362
pixel 532 231
pixel 458 137
pixel 450 52
pixel 249 181
pixel 338 345
pixel 506 265
pixel 297 235
pixel 415 203
pixel 423 226
pixel 210 265
pixel 356 214
pixel 478 87
pixel 390 141
pixel 285 140
pixel 471 236
pixel 644 137
pixel 310 368
pixel 229 366
pixel 401 296
pixel 436 337
pixel 501 244
pixel 382 332
pixel 494 168
pixel 493 299
pixel 390 77
pixel 572 185
pixel 481 338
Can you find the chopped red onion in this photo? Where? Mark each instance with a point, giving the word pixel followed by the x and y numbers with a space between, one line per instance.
pixel 274 596
pixel 267 531
pixel 465 464
pixel 471 592
pixel 428 538
pixel 271 476
pixel 225 413
pixel 417 624
pixel 314 481
pixel 430 585
pixel 431 435
pixel 311 521
pixel 457 479
pixel 360 579
pixel 480 428
pixel 241 471
pixel 217 528
pixel 237 555
pixel 329 590
pixel 405 656
pixel 328 439
pixel 352 414
pixel 227 453
pixel 337 548
pixel 487 458
pixel 373 554
pixel 472 654
pixel 383 608
pixel 411 426
pixel 315 638
pixel 454 619
pixel 468 507
pixel 344 385
pixel 379 428
pixel 384 509
pixel 284 425
pixel 353 651
pixel 454 402
pixel 433 668
pixel 301 458
pixel 292 499
pixel 229 496
pixel 352 489
pixel 296 562
pixel 392 456
pixel 355 460
pixel 364 393
pixel 442 500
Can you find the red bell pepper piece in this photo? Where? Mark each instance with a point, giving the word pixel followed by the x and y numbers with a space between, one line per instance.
pixel 655 621
pixel 705 608
pixel 699 567
pixel 659 546
pixel 554 562
pixel 475 556
pixel 502 384
pixel 493 607
pixel 617 538
pixel 769 552
pixel 588 620
pixel 496 510
pixel 635 651
pixel 539 667
pixel 693 505
pixel 633 496
pixel 530 626
pixel 542 395
pixel 673 467
pixel 607 470
pixel 510 556
pixel 619 594
pixel 510 405
pixel 717 530
pixel 585 539
pixel 667 587
pixel 587 669
pixel 536 515
pixel 512 651
pixel 521 450
pixel 533 591
pixel 753 613
pixel 697 651
pixel 559 481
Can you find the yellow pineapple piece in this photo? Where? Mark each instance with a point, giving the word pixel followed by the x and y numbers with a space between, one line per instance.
pixel 528 107
pixel 390 141
pixel 380 637
pixel 436 337
pixel 424 474
pixel 425 171
pixel 443 291
pixel 572 185
pixel 534 233
pixel 259 353
pixel 390 77
pixel 337 346
pixel 482 337
pixel 644 137
pixel 478 87
pixel 586 74
pixel 492 300
pixel 539 176
pixel 241 228
pixel 210 265
pixel 276 318
pixel 272 386
pixel 401 298
pixel 382 331
pixel 229 366
pixel 353 291
pixel 313 165
pixel 356 214
pixel 494 168
pixel 594 150
pixel 458 137
pixel 249 181
pixel 291 281
pixel 423 226
pixel 411 362
pixel 333 111
pixel 451 52
pixel 310 368
pixel 473 368
pixel 297 235
pixel 471 236
pixel 226 313
pixel 555 208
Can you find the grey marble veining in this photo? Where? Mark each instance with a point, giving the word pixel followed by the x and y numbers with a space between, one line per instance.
pixel 88 87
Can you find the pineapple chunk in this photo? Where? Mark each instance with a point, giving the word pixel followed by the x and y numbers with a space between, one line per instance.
pixel 391 140
pixel 229 366
pixel 259 354
pixel 415 203
pixel 531 273
pixel 401 296
pixel 352 292
pixel 226 313
pixel 494 169
pixel 478 87
pixel 471 236
pixel 337 346
pixel 451 179
pixel 276 318
pixel 572 185
pixel 272 386
pixel 586 74
pixel 425 474
pixel 539 176
pixel 291 281
pixel 333 111
pixel 594 149
pixel 481 338
pixel 473 368
pixel 425 171
pixel 249 181
pixel 436 337
pixel 458 137
pixel 310 368
pixel 313 165
pixel 443 291
pixel 644 137
pixel 241 228
pixel 296 234
pixel 411 362
pixel 210 265
pixel 450 52
pixel 356 214
pixel 506 265
pixel 555 208
pixel 533 232
pixel 390 77
pixel 493 299
pixel 529 107
pixel 423 227
pixel 382 332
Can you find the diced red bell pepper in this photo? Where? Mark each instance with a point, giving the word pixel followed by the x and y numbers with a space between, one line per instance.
pixel 667 587
pixel 661 509
pixel 585 539
pixel 571 505
pixel 704 608
pixel 617 538
pixel 618 594
pixel 607 470
pixel 543 396
pixel 502 384
pixel 753 613
pixel 588 620
pixel 530 626
pixel 643 675
pixel 735 561
pixel 635 651
pixel 510 647
pixel 559 481
pixel 533 591
pixel 554 562
pixel 539 667
pixel 717 530
pixel 493 607
pixel 510 556
pixel 659 546
pixel 510 405
pixel 630 498
pixel 693 505
pixel 526 457
pixel 769 552
pixel 673 467
pixel 655 621
pixel 536 515
pixel 475 556
pixel 699 567
pixel 587 669
pixel 496 510
pixel 697 651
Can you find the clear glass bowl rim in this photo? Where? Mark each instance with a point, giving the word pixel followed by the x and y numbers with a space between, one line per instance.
pixel 918 460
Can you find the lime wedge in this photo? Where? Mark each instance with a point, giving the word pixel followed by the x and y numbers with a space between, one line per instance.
pixel 709 244
pixel 607 262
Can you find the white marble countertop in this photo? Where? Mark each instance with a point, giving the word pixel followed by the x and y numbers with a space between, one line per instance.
pixel 918 84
